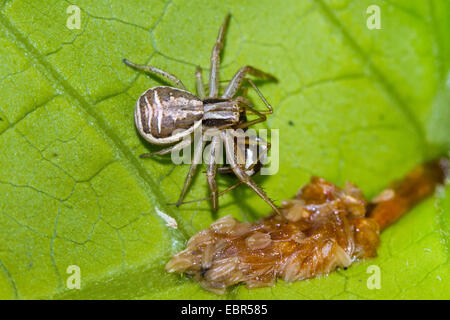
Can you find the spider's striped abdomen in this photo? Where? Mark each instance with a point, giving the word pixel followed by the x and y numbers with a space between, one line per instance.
pixel 162 110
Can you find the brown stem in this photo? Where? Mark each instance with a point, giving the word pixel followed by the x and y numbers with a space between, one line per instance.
pixel 395 201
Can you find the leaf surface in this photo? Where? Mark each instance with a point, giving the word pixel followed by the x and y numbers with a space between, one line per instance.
pixel 351 104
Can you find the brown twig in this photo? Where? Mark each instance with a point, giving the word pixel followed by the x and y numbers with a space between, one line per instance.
pixel 394 202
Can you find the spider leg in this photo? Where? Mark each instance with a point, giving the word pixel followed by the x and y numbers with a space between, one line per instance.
pixel 209 198
pixel 198 152
pixel 215 60
pixel 256 142
pixel 211 170
pixel 240 173
pixel 261 117
pixel 177 82
pixel 199 82
pixel 236 82
pixel 161 152
pixel 251 141
pixel 269 107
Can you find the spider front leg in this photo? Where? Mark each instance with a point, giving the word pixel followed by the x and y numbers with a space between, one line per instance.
pixel 177 82
pixel 236 83
pixel 215 60
pixel 240 172
pixel 249 108
pixel 255 141
pixel 269 107
pixel 261 118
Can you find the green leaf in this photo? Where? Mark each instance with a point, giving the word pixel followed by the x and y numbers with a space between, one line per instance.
pixel 351 104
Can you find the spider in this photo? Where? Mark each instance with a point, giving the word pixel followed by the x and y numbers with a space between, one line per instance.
pixel 165 115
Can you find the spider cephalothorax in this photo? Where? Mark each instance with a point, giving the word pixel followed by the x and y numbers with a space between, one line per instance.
pixel 166 115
